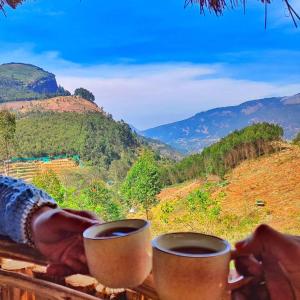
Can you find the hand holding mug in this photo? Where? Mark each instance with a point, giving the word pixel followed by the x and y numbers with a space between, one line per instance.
pixel 57 234
pixel 273 259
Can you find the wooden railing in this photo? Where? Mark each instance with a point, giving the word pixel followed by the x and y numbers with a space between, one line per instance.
pixel 28 281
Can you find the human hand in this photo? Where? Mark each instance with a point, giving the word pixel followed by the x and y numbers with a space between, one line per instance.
pixel 57 234
pixel 273 259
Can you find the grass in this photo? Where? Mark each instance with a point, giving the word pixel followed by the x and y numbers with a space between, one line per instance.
pixel 275 179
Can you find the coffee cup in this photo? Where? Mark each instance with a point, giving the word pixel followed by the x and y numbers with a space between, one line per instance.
pixel 190 266
pixel 119 254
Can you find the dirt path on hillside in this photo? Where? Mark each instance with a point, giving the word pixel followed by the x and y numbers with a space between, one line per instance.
pixel 179 191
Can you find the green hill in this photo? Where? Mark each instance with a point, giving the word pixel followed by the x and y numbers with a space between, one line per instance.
pixel 96 137
pixel 219 158
pixel 20 81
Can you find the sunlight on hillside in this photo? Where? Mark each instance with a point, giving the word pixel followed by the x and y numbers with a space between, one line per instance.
pixel 273 179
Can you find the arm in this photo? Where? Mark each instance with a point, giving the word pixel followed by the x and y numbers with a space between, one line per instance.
pixel 18 202
pixel 28 215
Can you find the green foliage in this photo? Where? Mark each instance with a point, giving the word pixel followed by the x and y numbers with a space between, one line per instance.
pixel 166 210
pixel 98 139
pixel 94 196
pixel 61 91
pixel 219 158
pixel 201 203
pixel 50 183
pixel 201 211
pixel 85 94
pixel 7 133
pixel 142 182
pixel 296 140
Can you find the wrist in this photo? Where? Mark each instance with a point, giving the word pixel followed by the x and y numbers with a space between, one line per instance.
pixel 35 213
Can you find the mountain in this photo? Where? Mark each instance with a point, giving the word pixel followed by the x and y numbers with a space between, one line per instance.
pixel 58 104
pixel 74 126
pixel 134 129
pixel 164 150
pixel 93 135
pixel 20 81
pixel 203 129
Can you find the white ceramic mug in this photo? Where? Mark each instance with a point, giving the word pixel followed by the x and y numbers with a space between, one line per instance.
pixel 119 261
pixel 180 275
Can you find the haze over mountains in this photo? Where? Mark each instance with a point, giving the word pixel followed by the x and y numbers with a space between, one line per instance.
pixel 21 82
pixel 205 128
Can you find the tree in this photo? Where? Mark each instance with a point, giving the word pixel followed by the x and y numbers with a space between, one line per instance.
pixel 296 140
pixel 50 183
pixel 62 92
pixel 7 135
pixel 98 198
pixel 85 94
pixel 142 182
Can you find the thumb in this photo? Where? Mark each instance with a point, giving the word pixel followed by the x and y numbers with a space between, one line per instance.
pixel 84 213
pixel 75 223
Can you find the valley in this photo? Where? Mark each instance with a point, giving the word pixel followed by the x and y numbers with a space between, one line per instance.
pixel 205 128
pixel 247 172
pixel 273 179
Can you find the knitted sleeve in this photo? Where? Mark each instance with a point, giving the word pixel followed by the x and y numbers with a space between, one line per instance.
pixel 17 200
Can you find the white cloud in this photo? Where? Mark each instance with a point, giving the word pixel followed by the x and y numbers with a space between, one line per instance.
pixel 153 94
pixel 24 53
pixel 170 93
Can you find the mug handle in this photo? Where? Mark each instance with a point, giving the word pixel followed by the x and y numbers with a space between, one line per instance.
pixel 238 282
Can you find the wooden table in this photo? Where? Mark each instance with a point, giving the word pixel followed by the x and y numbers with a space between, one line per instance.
pixel 44 289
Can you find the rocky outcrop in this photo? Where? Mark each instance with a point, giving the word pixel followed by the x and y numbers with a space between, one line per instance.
pixel 46 85
pixel 20 81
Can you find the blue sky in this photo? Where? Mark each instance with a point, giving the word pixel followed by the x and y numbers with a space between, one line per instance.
pixel 153 62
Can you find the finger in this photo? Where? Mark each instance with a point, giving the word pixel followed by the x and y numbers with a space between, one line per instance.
pixel 76 266
pixel 238 296
pixel 249 266
pixel 75 224
pixel 58 270
pixel 84 213
pixel 76 252
pixel 267 240
pixel 278 284
pixel 252 292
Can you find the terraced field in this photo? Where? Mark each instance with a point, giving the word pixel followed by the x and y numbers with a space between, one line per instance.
pixel 28 170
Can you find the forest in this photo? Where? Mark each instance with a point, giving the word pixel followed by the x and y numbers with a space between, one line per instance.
pixel 121 172
pixel 247 143
pixel 95 137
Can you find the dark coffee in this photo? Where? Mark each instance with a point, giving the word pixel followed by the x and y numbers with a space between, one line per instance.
pixel 193 250
pixel 118 231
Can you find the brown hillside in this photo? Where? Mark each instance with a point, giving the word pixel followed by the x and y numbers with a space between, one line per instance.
pixel 179 191
pixel 275 179
pixel 60 104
